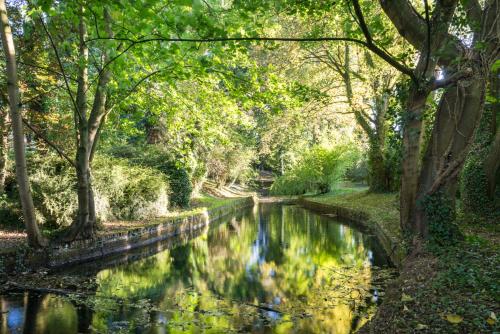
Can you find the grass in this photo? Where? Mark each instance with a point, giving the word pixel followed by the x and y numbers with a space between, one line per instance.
pixel 451 289
pixel 380 208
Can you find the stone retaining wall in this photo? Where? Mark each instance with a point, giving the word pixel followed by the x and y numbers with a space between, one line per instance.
pixel 88 250
pixel 390 243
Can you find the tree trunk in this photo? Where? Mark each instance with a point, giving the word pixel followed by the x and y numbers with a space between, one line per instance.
pixel 35 239
pixel 4 147
pixel 456 120
pixel 379 179
pixel 83 227
pixel 88 127
pixel 411 158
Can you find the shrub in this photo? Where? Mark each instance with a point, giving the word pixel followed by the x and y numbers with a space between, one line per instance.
pixel 179 182
pixel 317 171
pixel 130 191
pixel 230 164
pixel 155 157
pixel 122 190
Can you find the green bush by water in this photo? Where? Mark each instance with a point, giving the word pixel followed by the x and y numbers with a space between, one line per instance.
pixel 157 158
pixel 318 171
pixel 122 191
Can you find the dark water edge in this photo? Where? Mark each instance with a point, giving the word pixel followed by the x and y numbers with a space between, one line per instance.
pixel 269 269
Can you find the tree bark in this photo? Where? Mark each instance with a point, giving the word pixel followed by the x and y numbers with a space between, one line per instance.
pixel 82 227
pixel 35 238
pixel 4 147
pixel 88 127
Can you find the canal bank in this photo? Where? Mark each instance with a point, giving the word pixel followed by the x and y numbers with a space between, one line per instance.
pixel 375 212
pixel 109 244
pixel 440 288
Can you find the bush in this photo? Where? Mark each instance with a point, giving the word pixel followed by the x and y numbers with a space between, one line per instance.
pixel 179 182
pixel 122 190
pixel 129 191
pixel 10 212
pixel 317 171
pixel 230 164
pixel 155 157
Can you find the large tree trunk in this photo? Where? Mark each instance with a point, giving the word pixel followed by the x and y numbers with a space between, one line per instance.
pixel 411 159
pixel 478 179
pixel 379 178
pixel 456 119
pixel 4 147
pixel 35 238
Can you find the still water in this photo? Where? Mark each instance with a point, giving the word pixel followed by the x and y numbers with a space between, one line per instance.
pixel 269 269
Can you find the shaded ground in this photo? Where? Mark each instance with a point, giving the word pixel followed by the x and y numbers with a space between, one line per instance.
pixel 450 289
pixel 10 239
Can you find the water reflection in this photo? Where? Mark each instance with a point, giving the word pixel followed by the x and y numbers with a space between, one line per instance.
pixel 274 269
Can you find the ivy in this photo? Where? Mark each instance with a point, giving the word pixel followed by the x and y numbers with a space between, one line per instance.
pixel 440 213
pixel 474 184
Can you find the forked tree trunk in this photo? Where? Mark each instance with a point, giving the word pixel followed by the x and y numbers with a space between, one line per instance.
pixel 88 127
pixel 83 227
pixel 35 238
pixel 456 120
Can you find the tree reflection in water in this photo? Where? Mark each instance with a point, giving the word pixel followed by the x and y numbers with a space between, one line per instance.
pixel 274 269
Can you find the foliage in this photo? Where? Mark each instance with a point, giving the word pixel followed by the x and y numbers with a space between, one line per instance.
pixel 473 181
pixel 180 183
pixel 358 171
pixel 130 191
pixel 122 191
pixel 155 157
pixel 443 230
pixel 10 211
pixel 317 171
pixel 230 164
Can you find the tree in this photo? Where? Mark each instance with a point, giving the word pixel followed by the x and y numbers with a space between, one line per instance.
pixel 479 177
pixel 368 90
pixel 35 238
pixel 466 69
pixel 4 139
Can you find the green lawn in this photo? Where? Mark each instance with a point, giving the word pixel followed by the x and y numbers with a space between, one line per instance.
pixel 381 208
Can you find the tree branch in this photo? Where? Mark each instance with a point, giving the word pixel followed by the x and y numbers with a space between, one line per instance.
pixel 50 143
pixel 451 80
pixel 374 48
pixel 61 67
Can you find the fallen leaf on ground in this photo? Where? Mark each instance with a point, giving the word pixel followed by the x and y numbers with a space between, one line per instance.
pixel 421 326
pixel 406 298
pixel 492 319
pixel 453 318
